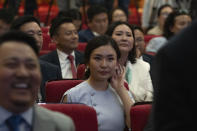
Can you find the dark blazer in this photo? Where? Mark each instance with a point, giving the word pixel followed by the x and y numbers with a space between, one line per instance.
pixel 52 57
pixel 49 72
pixel 174 80
pixel 85 35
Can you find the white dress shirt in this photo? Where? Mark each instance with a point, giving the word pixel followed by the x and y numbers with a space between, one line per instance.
pixel 65 64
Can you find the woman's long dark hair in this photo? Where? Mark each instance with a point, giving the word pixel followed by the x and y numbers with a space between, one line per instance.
pixel 132 52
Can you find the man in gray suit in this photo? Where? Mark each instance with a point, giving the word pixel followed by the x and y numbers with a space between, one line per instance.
pixel 20 79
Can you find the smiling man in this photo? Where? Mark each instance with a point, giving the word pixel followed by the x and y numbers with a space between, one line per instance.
pixel 20 79
pixel 64 33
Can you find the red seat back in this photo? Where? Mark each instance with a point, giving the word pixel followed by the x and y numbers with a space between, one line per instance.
pixel 45 29
pixel 52 46
pixel 56 89
pixel 46 41
pixel 81 47
pixel 147 38
pixel 84 117
pixel 81 71
pixel 139 116
pixel 43 52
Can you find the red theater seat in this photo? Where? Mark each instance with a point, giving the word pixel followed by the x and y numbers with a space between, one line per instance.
pixel 52 46
pixel 43 52
pixel 84 117
pixel 147 38
pixel 139 116
pixel 81 71
pixel 46 41
pixel 45 30
pixel 56 89
pixel 81 47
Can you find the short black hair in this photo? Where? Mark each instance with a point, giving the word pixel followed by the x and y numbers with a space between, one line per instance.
pixel 57 22
pixel 95 10
pixel 136 27
pixel 17 23
pixel 6 16
pixel 162 7
pixel 20 36
pixel 74 14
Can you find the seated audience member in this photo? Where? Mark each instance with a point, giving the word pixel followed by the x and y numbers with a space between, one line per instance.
pixel 75 15
pixel 104 88
pixel 140 44
pixel 117 14
pixel 20 80
pixel 137 70
pixel 97 23
pixel 6 19
pixel 163 13
pixel 174 82
pixel 31 26
pixel 174 23
pixel 64 34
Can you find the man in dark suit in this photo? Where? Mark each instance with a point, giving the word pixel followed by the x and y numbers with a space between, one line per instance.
pixel 31 25
pixel 174 81
pixel 20 80
pixel 64 34
pixel 97 23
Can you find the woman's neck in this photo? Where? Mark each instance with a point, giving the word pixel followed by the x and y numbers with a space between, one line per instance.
pixel 123 59
pixel 98 85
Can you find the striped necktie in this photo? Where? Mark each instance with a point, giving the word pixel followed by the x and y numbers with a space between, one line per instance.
pixel 14 122
pixel 73 69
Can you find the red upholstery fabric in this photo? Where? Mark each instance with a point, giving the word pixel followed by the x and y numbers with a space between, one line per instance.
pixel 52 46
pixel 45 30
pixel 43 52
pixel 147 38
pixel 81 71
pixel 81 47
pixel 139 116
pixel 46 41
pixel 84 117
pixel 56 89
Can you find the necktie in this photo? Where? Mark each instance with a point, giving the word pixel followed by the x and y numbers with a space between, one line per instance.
pixel 13 122
pixel 73 69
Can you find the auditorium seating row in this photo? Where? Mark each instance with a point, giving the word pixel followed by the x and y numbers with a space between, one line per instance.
pixel 85 118
pixel 48 45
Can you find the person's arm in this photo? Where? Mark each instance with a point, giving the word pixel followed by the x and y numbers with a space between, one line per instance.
pixel 64 99
pixel 117 82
